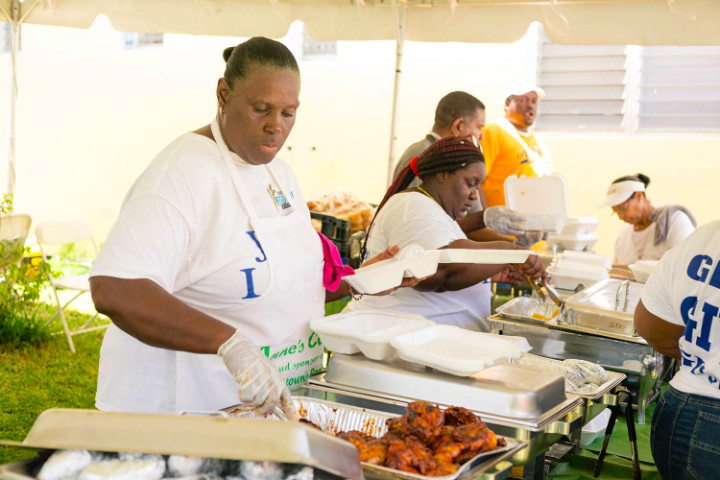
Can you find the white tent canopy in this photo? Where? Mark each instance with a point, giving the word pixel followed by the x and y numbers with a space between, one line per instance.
pixel 621 22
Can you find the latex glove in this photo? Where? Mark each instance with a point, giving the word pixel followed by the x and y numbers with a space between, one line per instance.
pixel 529 239
pixel 259 382
pixel 505 220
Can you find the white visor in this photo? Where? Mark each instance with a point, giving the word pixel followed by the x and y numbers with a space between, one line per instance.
pixel 621 191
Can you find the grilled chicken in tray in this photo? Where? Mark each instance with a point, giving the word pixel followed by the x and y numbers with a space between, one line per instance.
pixel 426 440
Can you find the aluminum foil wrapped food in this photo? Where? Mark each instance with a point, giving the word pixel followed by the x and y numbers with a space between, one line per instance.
pixel 580 376
pixel 91 465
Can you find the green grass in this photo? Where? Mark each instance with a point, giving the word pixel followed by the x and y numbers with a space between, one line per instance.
pixel 48 375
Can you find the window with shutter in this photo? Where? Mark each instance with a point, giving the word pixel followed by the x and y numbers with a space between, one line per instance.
pixel 679 89
pixel 584 85
pixel 629 88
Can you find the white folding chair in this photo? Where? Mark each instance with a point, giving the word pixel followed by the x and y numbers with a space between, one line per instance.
pixel 13 232
pixel 55 238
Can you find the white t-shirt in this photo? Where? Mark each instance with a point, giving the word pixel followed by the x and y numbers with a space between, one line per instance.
pixel 684 289
pixel 412 217
pixel 183 227
pixel 631 246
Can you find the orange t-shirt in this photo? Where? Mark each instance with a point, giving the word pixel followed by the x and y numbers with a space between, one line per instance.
pixel 504 156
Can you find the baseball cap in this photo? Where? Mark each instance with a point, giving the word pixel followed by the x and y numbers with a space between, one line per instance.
pixel 521 87
pixel 619 192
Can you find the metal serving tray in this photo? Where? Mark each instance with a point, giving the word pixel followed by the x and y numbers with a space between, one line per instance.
pixel 333 418
pixel 629 355
pixel 510 394
pixel 608 305
pixel 214 437
pixel 613 380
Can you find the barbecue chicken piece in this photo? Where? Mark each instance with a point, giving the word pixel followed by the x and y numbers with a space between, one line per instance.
pixel 426 440
pixel 456 416
pixel 371 449
pixel 410 455
pixel 425 421
pixel 477 438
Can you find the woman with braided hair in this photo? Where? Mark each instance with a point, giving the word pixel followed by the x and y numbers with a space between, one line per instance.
pixel 451 170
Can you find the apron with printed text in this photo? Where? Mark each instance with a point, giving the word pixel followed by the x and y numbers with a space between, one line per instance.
pixel 294 295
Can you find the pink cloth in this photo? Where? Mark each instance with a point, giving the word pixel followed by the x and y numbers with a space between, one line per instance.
pixel 334 270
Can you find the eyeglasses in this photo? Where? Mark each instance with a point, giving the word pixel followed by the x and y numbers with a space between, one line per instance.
pixel 620 209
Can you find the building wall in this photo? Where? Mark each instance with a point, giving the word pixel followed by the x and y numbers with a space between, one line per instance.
pixel 91 115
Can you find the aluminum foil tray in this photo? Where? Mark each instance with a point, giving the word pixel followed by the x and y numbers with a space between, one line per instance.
pixel 527 308
pixel 333 418
pixel 213 437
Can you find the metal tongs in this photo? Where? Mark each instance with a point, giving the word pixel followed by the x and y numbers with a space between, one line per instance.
pixel 544 290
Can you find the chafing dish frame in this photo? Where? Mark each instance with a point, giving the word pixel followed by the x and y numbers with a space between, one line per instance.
pixel 641 364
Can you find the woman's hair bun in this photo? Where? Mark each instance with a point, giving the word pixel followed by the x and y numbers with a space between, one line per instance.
pixel 227 52
pixel 643 178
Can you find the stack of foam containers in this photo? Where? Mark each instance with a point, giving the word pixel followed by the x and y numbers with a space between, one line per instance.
pixel 577 235
pixel 577 270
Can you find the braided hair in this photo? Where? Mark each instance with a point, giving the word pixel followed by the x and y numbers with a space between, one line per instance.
pixel 448 154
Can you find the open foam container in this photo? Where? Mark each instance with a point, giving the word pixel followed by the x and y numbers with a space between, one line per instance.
pixel 543 200
pixel 456 350
pixel 366 331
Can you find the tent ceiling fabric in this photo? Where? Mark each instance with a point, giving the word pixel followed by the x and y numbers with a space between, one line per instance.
pixel 634 22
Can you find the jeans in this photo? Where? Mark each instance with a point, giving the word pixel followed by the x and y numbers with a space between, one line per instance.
pixel 685 436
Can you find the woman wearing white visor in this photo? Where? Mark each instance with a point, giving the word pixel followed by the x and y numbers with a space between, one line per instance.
pixel 650 231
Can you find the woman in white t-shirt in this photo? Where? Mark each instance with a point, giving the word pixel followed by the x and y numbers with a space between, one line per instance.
pixel 212 270
pixel 678 314
pixel 451 170
pixel 650 231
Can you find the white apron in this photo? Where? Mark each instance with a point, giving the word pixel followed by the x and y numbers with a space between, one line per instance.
pixel 294 295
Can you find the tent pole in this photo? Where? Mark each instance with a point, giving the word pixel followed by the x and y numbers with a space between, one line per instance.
pixel 14 38
pixel 400 12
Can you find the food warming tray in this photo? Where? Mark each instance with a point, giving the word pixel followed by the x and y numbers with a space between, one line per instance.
pixel 608 306
pixel 508 394
pixel 333 418
pixel 214 437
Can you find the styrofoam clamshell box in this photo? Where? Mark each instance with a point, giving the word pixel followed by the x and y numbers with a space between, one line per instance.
pixel 456 350
pixel 642 269
pixel 576 242
pixel 569 276
pixel 366 331
pixel 543 200
pixel 580 226
pixel 388 274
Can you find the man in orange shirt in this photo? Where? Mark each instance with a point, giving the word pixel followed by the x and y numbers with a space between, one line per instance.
pixel 510 146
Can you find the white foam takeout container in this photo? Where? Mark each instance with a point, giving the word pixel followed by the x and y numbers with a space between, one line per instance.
pixel 543 200
pixel 456 350
pixel 642 269
pixel 568 275
pixel 388 274
pixel 587 258
pixel 580 226
pixel 462 255
pixel 366 331
pixel 576 242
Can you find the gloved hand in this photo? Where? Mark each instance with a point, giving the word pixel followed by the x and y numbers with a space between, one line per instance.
pixel 529 239
pixel 259 381
pixel 505 220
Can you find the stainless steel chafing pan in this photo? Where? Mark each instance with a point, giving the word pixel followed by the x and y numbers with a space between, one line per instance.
pixel 333 418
